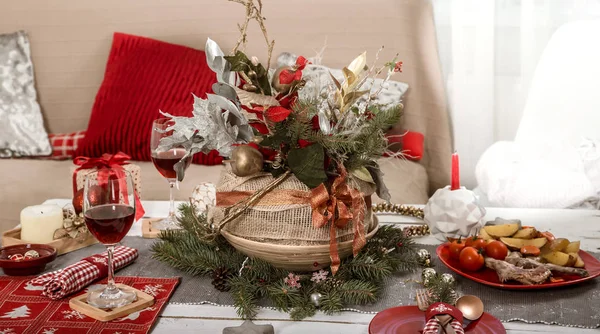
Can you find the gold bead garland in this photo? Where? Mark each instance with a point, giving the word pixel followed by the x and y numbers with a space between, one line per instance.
pixel 404 210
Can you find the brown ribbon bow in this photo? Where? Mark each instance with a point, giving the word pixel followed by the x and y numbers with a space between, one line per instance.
pixel 339 207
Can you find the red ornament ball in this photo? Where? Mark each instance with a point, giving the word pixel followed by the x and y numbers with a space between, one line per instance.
pixel 95 195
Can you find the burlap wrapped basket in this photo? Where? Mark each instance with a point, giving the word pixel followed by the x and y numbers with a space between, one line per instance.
pixel 278 228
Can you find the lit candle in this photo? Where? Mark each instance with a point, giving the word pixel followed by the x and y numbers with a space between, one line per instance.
pixel 39 222
pixel 455 173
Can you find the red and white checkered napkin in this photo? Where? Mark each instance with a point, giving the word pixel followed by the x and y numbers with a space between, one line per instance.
pixel 63 282
pixel 433 324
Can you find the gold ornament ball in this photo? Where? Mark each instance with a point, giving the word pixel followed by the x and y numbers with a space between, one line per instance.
pixel 279 87
pixel 246 161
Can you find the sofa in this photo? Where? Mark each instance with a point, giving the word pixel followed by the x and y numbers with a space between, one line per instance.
pixel 70 42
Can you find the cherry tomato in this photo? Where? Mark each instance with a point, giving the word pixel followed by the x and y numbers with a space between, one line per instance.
pixel 496 250
pixel 471 259
pixel 476 242
pixel 456 247
pixel 530 250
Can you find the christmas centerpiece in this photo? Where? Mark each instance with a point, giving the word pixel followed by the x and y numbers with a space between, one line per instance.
pixel 295 195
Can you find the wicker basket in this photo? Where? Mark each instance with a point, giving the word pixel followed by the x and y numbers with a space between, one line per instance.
pixel 294 258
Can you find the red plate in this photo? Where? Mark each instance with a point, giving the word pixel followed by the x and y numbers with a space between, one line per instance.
pixel 409 320
pixel 489 277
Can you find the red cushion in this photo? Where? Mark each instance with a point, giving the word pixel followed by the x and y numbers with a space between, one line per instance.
pixel 64 144
pixel 142 76
pixel 411 144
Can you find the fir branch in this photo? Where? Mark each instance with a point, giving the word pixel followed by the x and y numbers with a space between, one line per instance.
pixel 284 297
pixel 358 292
pixel 243 292
pixel 366 267
pixel 440 291
pixel 305 310
pixel 331 303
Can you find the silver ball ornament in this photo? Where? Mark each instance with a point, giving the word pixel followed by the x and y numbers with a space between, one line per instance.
pixel 424 257
pixel 427 275
pixel 315 298
pixel 448 279
pixel 31 254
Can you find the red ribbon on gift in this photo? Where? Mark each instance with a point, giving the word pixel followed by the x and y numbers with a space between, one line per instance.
pixel 342 205
pixel 106 165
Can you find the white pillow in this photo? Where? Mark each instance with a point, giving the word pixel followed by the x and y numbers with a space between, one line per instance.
pixel 513 176
pixel 590 155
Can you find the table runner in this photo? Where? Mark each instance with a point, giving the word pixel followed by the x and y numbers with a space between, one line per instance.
pixel 574 306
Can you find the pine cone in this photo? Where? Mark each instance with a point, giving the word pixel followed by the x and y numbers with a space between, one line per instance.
pixel 331 284
pixel 220 277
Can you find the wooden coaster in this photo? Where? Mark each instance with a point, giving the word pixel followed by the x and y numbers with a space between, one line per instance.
pixel 80 305
pixel 148 231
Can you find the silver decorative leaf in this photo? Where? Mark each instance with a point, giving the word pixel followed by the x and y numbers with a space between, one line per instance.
pixel 382 190
pixel 324 121
pixel 216 124
pixel 224 90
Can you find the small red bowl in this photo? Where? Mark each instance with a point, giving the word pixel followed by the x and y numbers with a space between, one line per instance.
pixel 27 266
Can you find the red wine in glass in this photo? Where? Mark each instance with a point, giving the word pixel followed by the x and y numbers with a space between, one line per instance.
pixel 109 223
pixel 165 162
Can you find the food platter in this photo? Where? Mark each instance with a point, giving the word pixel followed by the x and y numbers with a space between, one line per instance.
pixel 490 277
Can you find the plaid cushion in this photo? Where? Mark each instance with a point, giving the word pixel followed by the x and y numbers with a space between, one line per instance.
pixel 65 144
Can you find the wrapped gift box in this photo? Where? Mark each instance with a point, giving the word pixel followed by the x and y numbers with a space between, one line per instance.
pixel 135 171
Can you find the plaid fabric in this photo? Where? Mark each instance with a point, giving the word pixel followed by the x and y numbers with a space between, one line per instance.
pixel 63 282
pixel 433 326
pixel 65 144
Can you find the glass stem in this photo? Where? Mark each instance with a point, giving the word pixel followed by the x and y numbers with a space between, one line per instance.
pixel 110 285
pixel 171 199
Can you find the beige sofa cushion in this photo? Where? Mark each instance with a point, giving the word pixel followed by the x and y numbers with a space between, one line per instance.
pixel 28 182
pixel 70 41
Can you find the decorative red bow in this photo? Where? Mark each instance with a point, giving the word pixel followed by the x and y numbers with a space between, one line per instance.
pixel 342 205
pixel 106 165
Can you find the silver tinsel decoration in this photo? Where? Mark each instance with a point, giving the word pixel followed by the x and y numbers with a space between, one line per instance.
pixel 427 275
pixel 424 257
pixel 315 298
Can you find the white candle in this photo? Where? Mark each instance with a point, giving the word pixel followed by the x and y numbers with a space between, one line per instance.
pixel 39 222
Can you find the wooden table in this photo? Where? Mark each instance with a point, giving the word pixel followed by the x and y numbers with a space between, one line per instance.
pixel 581 225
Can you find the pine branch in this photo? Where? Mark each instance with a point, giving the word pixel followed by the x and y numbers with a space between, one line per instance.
pixel 331 303
pixel 243 292
pixel 440 291
pixel 357 292
pixel 366 267
pixel 305 310
pixel 284 297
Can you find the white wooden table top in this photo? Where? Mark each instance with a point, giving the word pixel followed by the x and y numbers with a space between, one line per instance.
pixel 581 225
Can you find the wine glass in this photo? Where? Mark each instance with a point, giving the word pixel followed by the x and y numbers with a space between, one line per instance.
pixel 165 164
pixel 109 212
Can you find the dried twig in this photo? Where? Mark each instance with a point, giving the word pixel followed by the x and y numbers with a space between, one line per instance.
pixel 253 12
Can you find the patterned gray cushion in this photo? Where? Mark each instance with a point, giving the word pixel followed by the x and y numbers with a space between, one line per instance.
pixel 22 130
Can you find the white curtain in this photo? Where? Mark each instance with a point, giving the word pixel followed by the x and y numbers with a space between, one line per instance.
pixel 489 50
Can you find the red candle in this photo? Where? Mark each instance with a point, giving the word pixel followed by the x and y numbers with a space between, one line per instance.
pixel 455 173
